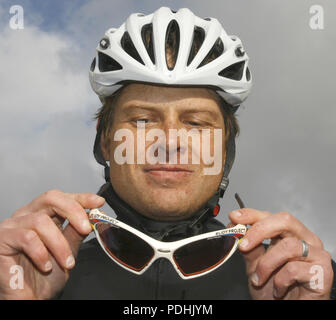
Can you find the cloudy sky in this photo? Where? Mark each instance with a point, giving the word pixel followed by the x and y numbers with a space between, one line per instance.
pixel 286 151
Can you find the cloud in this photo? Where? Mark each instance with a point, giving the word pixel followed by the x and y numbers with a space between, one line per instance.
pixel 46 108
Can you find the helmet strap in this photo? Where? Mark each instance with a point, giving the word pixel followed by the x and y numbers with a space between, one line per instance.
pixel 229 159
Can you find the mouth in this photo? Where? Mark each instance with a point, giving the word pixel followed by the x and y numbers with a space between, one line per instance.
pixel 168 172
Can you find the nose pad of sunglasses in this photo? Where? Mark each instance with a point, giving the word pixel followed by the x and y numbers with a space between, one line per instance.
pixel 164 250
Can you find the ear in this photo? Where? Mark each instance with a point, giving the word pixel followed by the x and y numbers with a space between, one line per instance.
pixel 104 148
pixel 103 144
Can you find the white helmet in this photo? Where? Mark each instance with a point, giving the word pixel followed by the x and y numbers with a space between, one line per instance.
pixel 206 55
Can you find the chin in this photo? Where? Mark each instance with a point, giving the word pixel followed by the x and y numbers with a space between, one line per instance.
pixel 168 211
pixel 168 204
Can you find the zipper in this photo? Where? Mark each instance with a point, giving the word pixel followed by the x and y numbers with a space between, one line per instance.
pixel 157 282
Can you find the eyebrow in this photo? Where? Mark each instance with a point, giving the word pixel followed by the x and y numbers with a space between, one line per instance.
pixel 131 107
pixel 210 112
pixel 141 107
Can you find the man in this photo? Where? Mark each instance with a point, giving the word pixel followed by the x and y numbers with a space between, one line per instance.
pixel 164 71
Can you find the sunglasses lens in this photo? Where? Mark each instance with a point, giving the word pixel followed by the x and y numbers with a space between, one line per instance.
pixel 203 255
pixel 124 246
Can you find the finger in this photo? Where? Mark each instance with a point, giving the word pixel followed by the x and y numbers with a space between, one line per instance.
pixel 287 249
pixel 316 278
pixel 248 216
pixel 280 224
pixel 74 238
pixel 51 236
pixel 87 200
pixel 252 257
pixel 16 240
pixel 68 206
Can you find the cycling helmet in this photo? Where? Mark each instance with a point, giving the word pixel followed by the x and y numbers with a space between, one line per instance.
pixel 206 55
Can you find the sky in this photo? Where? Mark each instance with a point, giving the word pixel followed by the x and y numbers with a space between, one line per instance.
pixel 286 151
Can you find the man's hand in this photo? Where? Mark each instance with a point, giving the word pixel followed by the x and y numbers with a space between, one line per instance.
pixel 281 272
pixel 34 240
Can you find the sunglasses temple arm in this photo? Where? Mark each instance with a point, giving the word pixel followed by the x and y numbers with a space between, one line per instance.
pixel 241 205
pixel 239 200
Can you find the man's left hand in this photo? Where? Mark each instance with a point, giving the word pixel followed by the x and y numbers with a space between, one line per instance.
pixel 281 271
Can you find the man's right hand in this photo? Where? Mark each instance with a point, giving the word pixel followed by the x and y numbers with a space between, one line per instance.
pixel 33 238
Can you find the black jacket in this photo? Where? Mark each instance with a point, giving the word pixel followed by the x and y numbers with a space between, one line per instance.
pixel 96 276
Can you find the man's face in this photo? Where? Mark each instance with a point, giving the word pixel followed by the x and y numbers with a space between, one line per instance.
pixel 166 191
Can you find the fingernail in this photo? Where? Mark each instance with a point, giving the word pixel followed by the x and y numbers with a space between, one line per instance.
pixel 236 214
pixel 244 243
pixel 48 266
pixel 275 293
pixel 95 197
pixel 255 279
pixel 70 261
pixel 86 226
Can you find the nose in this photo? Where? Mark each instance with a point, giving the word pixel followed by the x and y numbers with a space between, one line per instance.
pixel 174 146
pixel 170 147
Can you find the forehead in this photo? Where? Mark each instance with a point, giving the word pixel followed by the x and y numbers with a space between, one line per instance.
pixel 143 95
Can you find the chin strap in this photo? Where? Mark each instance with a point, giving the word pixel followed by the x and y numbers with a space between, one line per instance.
pixel 190 226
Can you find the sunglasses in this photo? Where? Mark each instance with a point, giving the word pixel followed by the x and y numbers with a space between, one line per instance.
pixel 191 257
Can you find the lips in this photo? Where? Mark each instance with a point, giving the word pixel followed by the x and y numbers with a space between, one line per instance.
pixel 168 172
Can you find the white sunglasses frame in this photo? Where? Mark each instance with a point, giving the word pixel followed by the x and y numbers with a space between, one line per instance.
pixel 166 249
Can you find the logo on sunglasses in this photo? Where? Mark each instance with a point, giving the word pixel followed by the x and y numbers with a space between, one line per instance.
pixel 96 215
pixel 234 230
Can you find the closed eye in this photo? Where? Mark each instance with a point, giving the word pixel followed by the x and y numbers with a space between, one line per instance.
pixel 197 123
pixel 141 121
pixel 194 123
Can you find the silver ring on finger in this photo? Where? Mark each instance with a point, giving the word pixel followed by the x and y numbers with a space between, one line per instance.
pixel 305 248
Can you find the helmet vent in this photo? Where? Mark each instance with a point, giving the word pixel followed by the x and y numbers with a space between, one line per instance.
pixel 248 74
pixel 234 72
pixel 147 38
pixel 216 50
pixel 172 44
pixel 93 64
pixel 106 63
pixel 197 41
pixel 127 44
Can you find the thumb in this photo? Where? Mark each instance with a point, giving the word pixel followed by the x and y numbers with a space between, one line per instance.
pixel 251 257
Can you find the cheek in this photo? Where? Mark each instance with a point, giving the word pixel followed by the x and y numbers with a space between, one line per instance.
pixel 212 181
pixel 213 152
